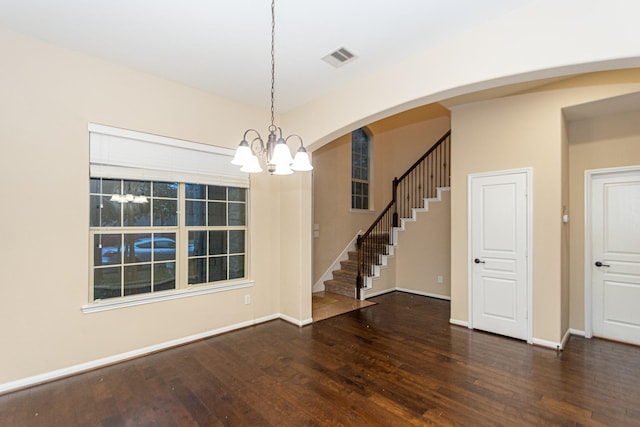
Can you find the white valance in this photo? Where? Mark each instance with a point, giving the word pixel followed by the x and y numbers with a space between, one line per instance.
pixel 125 154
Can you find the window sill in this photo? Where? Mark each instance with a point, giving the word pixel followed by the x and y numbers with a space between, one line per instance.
pixel 362 211
pixel 104 305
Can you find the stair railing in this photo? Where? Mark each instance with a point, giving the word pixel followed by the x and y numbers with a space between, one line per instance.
pixel 419 182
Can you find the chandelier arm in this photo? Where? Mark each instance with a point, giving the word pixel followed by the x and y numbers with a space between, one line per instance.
pixel 261 149
pixel 297 136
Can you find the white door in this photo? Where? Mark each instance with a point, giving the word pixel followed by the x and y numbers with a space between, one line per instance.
pixel 615 256
pixel 499 243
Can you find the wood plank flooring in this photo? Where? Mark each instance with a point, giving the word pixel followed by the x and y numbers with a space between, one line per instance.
pixel 397 363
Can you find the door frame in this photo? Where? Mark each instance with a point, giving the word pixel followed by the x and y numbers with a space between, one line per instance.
pixel 589 176
pixel 529 255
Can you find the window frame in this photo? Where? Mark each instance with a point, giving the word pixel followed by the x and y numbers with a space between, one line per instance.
pixel 125 155
pixel 359 182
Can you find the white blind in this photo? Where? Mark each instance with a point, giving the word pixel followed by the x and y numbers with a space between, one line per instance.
pixel 120 153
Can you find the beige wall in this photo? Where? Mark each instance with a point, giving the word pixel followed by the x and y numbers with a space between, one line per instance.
pixel 48 97
pixel 424 251
pixel 595 143
pixel 516 132
pixel 398 142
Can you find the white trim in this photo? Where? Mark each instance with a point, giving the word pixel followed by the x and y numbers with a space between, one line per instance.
pixel 130 301
pixel 459 323
pixel 378 293
pixel 424 294
pixel 589 175
pixel 529 176
pixel 565 338
pixel 295 321
pixel 344 255
pixel 577 332
pixel 548 344
pixel 122 357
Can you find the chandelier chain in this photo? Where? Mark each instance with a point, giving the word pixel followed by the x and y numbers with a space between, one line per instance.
pixel 272 128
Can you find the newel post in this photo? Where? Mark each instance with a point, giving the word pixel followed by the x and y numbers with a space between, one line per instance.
pixel 359 278
pixel 394 199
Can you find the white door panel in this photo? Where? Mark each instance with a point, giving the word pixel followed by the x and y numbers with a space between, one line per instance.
pixel 498 212
pixel 615 244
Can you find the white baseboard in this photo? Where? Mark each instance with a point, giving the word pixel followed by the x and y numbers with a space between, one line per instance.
pixel 577 332
pixel 457 322
pixel 548 344
pixel 296 321
pixel 424 294
pixel 378 293
pixel 110 360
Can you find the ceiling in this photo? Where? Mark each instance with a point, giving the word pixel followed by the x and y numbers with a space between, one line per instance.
pixel 224 46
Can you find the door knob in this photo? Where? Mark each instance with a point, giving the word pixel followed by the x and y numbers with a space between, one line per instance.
pixel 477 261
pixel 599 264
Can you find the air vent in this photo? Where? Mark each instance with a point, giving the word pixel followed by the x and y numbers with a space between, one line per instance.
pixel 339 57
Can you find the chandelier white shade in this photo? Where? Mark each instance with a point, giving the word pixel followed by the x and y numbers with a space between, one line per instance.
pixel 275 152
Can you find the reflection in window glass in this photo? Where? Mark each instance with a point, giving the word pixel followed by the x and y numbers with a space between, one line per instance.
pixel 164 276
pixel 137 279
pixel 135 233
pixel 236 267
pixel 217 213
pixel 197 270
pixel 196 213
pixel 217 269
pixel 195 191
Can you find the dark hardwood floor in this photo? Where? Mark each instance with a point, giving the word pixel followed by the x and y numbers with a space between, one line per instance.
pixel 397 363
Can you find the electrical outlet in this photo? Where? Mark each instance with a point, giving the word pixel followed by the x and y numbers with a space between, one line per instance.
pixel 247 299
pixel 440 280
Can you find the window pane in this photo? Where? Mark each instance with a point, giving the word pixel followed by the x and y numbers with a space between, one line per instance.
pixel 137 279
pixel 237 194
pixel 110 213
pixel 137 188
pixel 111 251
pixel 195 191
pixel 196 213
pixel 217 193
pixel 111 186
pixel 164 212
pixel 217 269
pixel 197 270
pixel 164 247
pixel 164 276
pixel 217 214
pixel 106 283
pixel 237 214
pixel 137 248
pixel 165 189
pixel 236 267
pixel 136 214
pixel 365 202
pixel 217 242
pixel 94 185
pixel 94 211
pixel 197 243
pixel 236 241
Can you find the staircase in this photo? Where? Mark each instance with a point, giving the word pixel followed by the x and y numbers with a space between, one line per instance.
pixel 419 183
pixel 345 280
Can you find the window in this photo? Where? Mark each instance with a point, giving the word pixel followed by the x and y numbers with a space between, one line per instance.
pixel 165 214
pixel 139 243
pixel 360 160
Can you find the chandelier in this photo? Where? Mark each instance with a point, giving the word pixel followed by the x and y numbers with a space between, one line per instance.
pixel 275 152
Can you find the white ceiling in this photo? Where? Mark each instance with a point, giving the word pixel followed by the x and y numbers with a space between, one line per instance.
pixel 224 46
